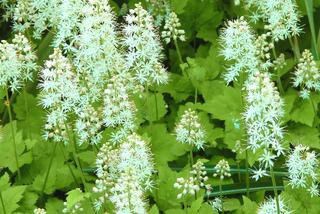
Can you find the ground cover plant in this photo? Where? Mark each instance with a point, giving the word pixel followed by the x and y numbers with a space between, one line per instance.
pixel 159 106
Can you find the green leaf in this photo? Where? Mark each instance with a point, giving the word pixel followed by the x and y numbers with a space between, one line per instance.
pixel 249 206
pixel 12 196
pixel 300 201
pixel 206 209
pixel 289 100
pixel 300 134
pixel 178 5
pixel 303 112
pixel 7 149
pixel 29 114
pixel 153 105
pixel 226 105
pixel 154 210
pixel 175 211
pixel 195 205
pixel 231 204
pixel 75 196
pixel 161 140
pixel 54 206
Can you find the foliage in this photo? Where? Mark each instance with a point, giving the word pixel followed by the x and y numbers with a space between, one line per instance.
pixel 59 176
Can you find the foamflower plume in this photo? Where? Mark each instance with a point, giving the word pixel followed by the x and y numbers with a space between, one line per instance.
pixel 263 118
pixel 59 93
pixel 17 62
pixel 189 129
pixel 141 40
pixel 270 207
pixel 302 168
pixel 125 167
pixel 238 46
pixel 307 75
pixel 282 17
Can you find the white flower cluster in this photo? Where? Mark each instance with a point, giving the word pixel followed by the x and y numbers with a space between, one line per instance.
pixel 59 91
pixel 95 48
pixel 128 195
pixel 238 46
pixel 88 125
pixel 189 130
pixel 39 211
pixel 263 47
pixel 263 117
pixel 159 10
pixel 119 167
pixel 143 57
pixel 302 168
pixel 74 209
pixel 282 17
pixel 17 62
pixel 270 207
pixel 171 29
pixel 222 169
pixel 307 75
pixel 192 184
pixel 118 109
pixel 216 204
pixel 38 14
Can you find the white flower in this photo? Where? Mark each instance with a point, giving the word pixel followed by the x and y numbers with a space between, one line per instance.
pixel 127 194
pixel 59 90
pixel 270 207
pixel 216 204
pixel 197 180
pixel 96 49
pixel 88 125
pixel 222 169
pixel 143 57
pixel 17 62
pixel 127 166
pixel 307 75
pixel 302 168
pixel 263 117
pixel 39 211
pixel 189 130
pixel 282 17
pixel 171 28
pixel 238 45
pixel 118 109
pixel 257 174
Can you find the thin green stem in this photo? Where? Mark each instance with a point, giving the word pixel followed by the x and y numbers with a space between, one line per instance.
pixel 66 159
pixel 180 58
pixel 2 203
pixel 239 176
pixel 195 95
pixel 314 111
pixel 309 7
pixel 243 190
pixel 156 102
pixel 26 106
pixel 191 157
pixel 247 175
pixel 210 169
pixel 49 167
pixel 278 73
pixel 75 156
pixel 274 184
pixel 296 45
pixel 185 207
pixel 221 199
pixel 178 51
pixel 8 104
pixel 294 49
